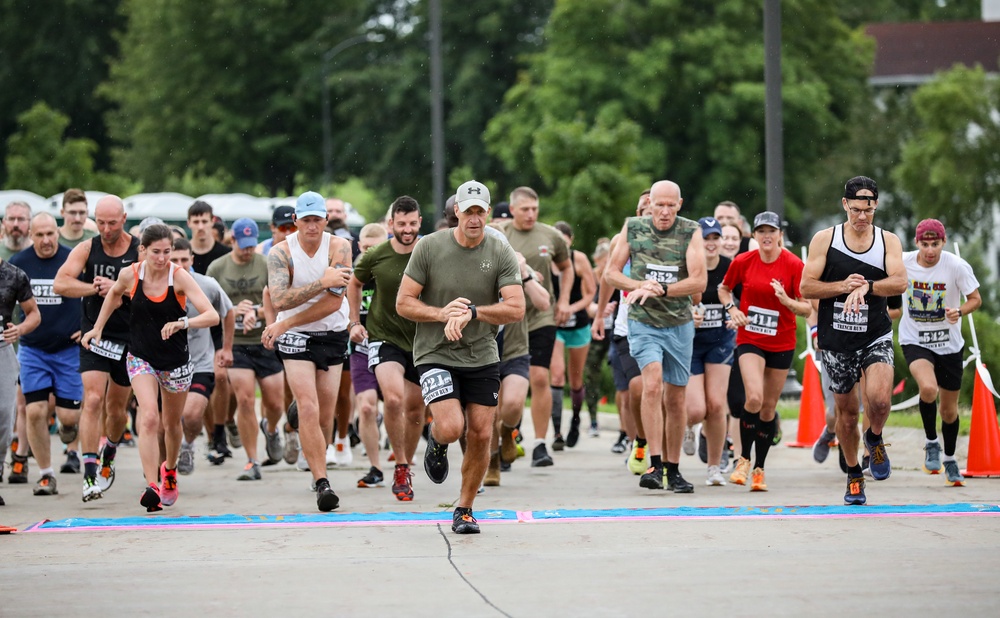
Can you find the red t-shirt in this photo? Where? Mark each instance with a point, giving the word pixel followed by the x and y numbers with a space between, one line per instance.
pixel 772 325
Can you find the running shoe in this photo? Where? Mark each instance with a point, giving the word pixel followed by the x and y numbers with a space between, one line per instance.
pixel 18 470
pixel 326 499
pixel 508 445
pixel 185 461
pixel 574 431
pixel 520 450
pixel 272 444
pixel 436 460
pixel 855 491
pixel 952 476
pixel 757 482
pixel 168 485
pixel 331 456
pixel 292 415
pixel 68 433
pixel 559 443
pixel 821 449
pixel 742 471
pixel 678 484
pixel 127 439
pixel 866 466
pixel 301 463
pixel 594 431
pixel 638 460
pixel 352 434
pixel 932 457
pixel 150 499
pixel 46 486
pixel 106 473
pixel 621 445
pixel 291 447
pixel 374 478
pixel 702 448
pixel 91 491
pixel 251 472
pixel 689 446
pixel 342 454
pixel 233 433
pixel 492 478
pixel 462 521
pixel 540 457
pixel 220 453
pixel 72 463
pixel 652 479
pixel 715 478
pixel 880 466
pixel 402 483
pixel 776 438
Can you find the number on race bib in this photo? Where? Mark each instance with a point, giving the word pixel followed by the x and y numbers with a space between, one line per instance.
pixel 108 349
pixel 850 322
pixel 762 321
pixel 436 383
pixel 373 348
pixel 292 343
pixel 935 338
pixel 664 275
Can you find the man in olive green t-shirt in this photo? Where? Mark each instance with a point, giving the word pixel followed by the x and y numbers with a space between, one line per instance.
pixel 452 289
pixel 74 212
pixel 390 338
pixel 542 246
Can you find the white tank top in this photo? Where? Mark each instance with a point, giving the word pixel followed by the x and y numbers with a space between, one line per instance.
pixel 305 270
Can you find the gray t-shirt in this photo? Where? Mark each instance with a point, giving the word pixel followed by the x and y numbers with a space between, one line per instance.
pixel 447 271
pixel 200 345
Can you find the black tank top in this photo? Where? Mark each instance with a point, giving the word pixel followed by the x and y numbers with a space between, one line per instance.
pixel 100 264
pixel 148 318
pixel 713 326
pixel 849 333
pixel 580 318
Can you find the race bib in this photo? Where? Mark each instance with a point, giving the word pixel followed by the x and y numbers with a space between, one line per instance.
pixel 850 322
pixel 762 321
pixel 373 349
pixel 933 339
pixel 570 321
pixel 292 343
pixel 436 383
pixel 362 348
pixel 107 349
pixel 183 372
pixel 713 316
pixel 609 322
pixel 663 275
pixel 42 289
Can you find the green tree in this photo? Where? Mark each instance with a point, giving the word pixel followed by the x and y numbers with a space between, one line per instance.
pixel 41 159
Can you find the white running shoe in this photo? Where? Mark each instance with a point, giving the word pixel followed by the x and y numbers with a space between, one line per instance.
pixel 301 462
pixel 331 456
pixel 342 454
pixel 689 445
pixel 715 478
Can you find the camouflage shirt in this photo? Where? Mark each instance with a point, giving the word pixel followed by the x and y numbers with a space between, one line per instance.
pixel 660 256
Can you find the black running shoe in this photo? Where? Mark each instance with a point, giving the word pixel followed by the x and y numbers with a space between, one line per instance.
pixel 540 457
pixel 436 460
pixel 292 415
pixel 374 478
pixel 462 522
pixel 677 484
pixel 72 465
pixel 326 499
pixel 652 479
pixel 702 448
pixel 150 499
pixel 574 432
pixel 559 443
pixel 352 435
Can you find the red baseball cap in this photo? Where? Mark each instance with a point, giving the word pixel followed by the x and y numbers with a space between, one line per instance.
pixel 930 229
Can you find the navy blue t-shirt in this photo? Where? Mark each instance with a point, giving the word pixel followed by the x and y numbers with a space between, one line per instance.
pixel 60 315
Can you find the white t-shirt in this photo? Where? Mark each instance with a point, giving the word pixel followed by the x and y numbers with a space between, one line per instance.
pixel 929 292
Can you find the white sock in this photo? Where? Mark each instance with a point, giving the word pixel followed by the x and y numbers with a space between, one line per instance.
pixel 539 441
pixel 948 458
pixel 48 471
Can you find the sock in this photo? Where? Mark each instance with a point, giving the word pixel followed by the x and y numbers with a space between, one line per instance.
pixel 185 443
pixel 949 431
pixel 45 471
pixel 557 403
pixel 871 437
pixel 539 441
pixel 640 442
pixel 672 468
pixel 90 464
pixel 765 436
pixel 928 414
pixel 110 450
pixel 748 432
pixel 577 395
pixel 621 436
pixel 322 483
pixel 656 461
pixel 854 471
pixel 218 434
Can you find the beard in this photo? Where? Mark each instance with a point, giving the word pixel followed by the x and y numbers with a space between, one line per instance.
pixel 335 224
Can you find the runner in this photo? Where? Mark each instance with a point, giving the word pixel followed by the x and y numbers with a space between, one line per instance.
pixel 455 346
pixel 282 224
pixel 75 218
pixel 851 269
pixel 106 385
pixel 599 350
pixel 930 333
pixel 50 363
pixel 307 275
pixel 159 365
pixel 390 338
pixel 766 337
pixel 667 267
pixel 16 233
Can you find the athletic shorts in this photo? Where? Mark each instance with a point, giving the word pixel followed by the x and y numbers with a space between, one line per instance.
pixel 50 372
pixel 173 381
pixel 714 352
pixel 324 349
pixel 385 352
pixel 203 383
pixel 628 368
pixel 479 385
pixel 517 366
pixel 107 357
pixel 256 357
pixel 575 337
pixel 772 360
pixel 845 367
pixel 947 367
pixel 363 378
pixel 540 344
pixel 668 345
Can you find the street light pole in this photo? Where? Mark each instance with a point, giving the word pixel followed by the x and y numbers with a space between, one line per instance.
pixel 328 56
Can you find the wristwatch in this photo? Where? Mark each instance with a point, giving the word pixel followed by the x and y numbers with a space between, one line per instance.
pixel 728 306
pixel 529 277
pixel 871 287
pixel 472 308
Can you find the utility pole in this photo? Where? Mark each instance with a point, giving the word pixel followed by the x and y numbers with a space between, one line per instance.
pixel 774 158
pixel 437 109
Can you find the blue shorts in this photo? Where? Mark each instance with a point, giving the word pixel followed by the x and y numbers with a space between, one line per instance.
pixel 669 345
pixel 55 371
pixel 712 350
pixel 574 338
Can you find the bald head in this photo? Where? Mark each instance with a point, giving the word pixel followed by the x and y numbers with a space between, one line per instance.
pixel 44 235
pixel 664 188
pixel 665 201
pixel 43 219
pixel 110 206
pixel 110 216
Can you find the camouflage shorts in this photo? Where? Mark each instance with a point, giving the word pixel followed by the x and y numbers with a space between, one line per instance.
pixel 845 368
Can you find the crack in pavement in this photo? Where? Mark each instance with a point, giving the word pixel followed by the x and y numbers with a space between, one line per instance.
pixel 465 579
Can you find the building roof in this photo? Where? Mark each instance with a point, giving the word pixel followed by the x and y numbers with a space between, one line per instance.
pixel 910 53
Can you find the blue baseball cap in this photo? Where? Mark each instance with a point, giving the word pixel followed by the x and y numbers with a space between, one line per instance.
pixel 245 233
pixel 310 204
pixel 709 225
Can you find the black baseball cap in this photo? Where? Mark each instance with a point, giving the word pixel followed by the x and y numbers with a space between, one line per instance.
pixel 859 183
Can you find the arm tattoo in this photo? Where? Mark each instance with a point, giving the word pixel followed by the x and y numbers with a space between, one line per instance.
pixel 283 296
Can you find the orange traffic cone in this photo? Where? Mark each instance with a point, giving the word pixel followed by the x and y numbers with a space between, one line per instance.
pixel 812 409
pixel 984 435
pixel 7 530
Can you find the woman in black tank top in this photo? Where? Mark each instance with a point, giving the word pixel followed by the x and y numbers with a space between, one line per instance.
pixel 158 362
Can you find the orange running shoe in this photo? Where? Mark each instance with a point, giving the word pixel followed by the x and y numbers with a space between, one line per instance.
pixel 757 482
pixel 742 471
